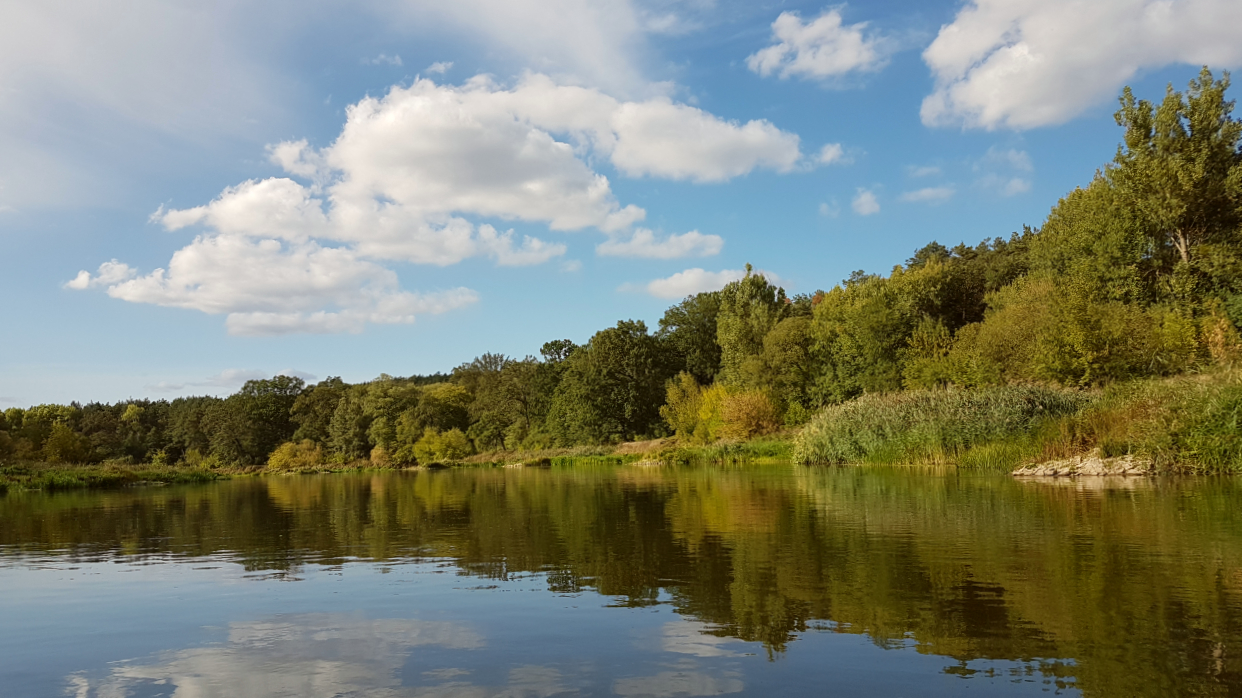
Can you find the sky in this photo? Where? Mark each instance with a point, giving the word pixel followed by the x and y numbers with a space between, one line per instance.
pixel 195 194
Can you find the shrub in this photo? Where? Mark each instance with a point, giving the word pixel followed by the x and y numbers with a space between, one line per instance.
pixel 747 414
pixel 440 447
pixel 683 398
pixel 710 426
pixel 289 456
pixel 381 457
pixel 1188 423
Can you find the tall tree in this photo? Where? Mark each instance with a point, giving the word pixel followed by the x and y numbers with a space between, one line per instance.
pixel 749 309
pixel 1180 165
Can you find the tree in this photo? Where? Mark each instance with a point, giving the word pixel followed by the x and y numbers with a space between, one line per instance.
pixel 312 410
pixel 64 445
pixel 1180 165
pixel 187 428
pixel 348 430
pixel 557 350
pixel 613 387
pixel 749 309
pixel 690 328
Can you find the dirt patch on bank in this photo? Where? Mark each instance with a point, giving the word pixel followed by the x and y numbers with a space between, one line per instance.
pixel 642 447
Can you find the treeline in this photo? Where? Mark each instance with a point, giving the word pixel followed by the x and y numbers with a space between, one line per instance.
pixel 1138 274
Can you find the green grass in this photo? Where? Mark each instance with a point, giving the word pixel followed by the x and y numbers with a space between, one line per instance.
pixel 1189 424
pixel 1182 424
pixel 57 476
pixel 759 450
pixel 934 426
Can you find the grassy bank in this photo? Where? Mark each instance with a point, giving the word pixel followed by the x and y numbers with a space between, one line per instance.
pixel 1182 424
pixel 60 476
pixel 654 451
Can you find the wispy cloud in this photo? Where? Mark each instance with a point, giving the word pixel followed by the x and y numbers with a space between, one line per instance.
pixel 929 195
pixel 1005 171
pixel 644 243
pixel 865 203
pixel 384 59
pixel 229 378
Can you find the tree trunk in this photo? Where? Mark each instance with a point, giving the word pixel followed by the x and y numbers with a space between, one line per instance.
pixel 1182 243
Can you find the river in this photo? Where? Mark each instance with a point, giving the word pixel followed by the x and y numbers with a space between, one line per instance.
pixel 627 581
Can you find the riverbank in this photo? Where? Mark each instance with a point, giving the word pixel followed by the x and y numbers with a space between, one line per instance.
pixel 1185 424
pixel 63 476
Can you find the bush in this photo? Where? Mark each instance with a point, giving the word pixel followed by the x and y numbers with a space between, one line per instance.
pixel 748 414
pixel 380 457
pixel 683 398
pixel 291 457
pixel 927 425
pixel 441 447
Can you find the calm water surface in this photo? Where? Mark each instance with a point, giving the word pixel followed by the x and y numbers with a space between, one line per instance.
pixel 624 581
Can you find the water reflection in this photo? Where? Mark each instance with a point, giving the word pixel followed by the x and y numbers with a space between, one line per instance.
pixel 304 655
pixel 1108 587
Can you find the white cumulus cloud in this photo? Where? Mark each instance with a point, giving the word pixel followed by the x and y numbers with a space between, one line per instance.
pixel 832 153
pixel 865 203
pixel 531 251
pixel 109 273
pixel 692 281
pixel 822 48
pixel 1022 64
pixel 269 287
pixel 401 183
pixel 644 243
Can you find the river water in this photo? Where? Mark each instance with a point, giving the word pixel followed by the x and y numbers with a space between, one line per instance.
pixel 626 581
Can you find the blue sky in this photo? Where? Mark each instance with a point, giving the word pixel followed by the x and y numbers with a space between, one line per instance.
pixel 193 194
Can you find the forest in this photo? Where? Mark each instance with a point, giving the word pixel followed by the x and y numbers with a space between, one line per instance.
pixel 1136 276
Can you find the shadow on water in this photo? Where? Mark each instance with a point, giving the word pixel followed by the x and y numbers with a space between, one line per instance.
pixel 1111 587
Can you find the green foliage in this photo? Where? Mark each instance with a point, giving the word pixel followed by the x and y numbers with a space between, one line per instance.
pixel 749 309
pixel 876 334
pixel 312 410
pixel 690 329
pixel 302 456
pixel 350 425
pixel 1180 167
pixel 441 447
pixel 683 400
pixel 64 445
pixel 613 387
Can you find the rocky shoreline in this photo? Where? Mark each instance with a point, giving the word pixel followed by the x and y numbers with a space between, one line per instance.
pixel 1093 464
